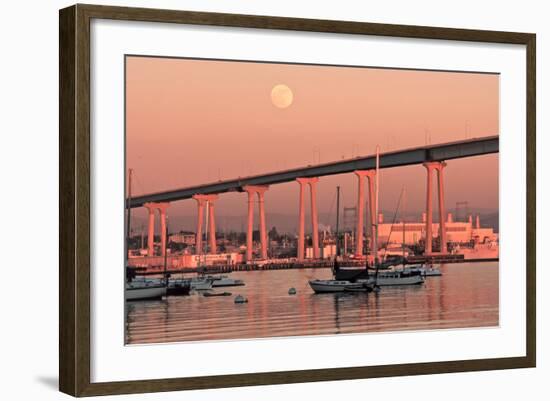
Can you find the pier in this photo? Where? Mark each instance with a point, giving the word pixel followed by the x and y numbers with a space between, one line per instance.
pixel 318 264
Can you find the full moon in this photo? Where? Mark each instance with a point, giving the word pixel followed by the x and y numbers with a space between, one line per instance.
pixel 281 96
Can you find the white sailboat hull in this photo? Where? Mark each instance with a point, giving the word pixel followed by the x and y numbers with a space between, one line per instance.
pixel 326 286
pixel 227 283
pixel 138 293
pixel 398 277
pixel 386 281
pixel 201 284
pixel 423 271
pixel 224 281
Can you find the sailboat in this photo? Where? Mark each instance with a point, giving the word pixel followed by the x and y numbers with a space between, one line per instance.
pixel 335 284
pixel 414 269
pixel 143 290
pixel 174 286
pixel 384 277
pixel 139 289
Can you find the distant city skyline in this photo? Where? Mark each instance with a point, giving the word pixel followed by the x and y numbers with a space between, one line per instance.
pixel 197 121
pixel 287 223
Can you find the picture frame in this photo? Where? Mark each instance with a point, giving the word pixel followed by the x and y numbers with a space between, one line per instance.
pixel 75 200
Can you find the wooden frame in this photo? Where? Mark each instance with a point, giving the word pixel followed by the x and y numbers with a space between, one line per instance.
pixel 74 203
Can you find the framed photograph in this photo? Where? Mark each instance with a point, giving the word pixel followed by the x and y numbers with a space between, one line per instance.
pixel 250 200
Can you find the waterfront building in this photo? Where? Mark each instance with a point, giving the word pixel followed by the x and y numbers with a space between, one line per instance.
pixel 458 232
pixel 187 261
pixel 183 238
pixel 328 251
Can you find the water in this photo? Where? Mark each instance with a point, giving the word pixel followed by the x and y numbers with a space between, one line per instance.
pixel 465 296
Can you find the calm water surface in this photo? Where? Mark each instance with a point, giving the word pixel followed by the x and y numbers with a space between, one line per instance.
pixel 465 296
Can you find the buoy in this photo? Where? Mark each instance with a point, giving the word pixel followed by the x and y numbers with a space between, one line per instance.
pixel 292 291
pixel 239 299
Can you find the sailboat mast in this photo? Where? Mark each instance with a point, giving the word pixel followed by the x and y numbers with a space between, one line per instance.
pixel 128 213
pixel 337 221
pixel 403 218
pixel 376 220
pixel 166 252
pixel 205 242
pixel 377 189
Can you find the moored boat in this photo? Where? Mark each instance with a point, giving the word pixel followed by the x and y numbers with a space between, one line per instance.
pixel 216 294
pixel 138 289
pixel 178 287
pixel 326 286
pixel 224 281
pixel 424 271
pixel 173 286
pixel 142 290
pixel 398 277
pixel 201 283
pixel 338 284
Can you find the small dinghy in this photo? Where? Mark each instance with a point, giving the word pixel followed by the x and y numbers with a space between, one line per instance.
pixel 217 294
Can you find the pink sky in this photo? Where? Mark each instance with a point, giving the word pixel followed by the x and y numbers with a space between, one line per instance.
pixel 197 121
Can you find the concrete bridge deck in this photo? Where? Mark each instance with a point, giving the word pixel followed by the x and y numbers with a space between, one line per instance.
pixel 397 158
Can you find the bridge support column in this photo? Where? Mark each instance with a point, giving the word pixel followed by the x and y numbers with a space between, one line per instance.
pixel 428 241
pixel 258 190
pixel 263 228
pixel 312 182
pixel 212 227
pixel 250 226
pixel 301 222
pixel 200 218
pixel 163 240
pixel 202 200
pixel 359 231
pixel 372 214
pixel 430 167
pixel 360 213
pixel 151 231
pixel 151 207
pixel 314 219
pixel 441 198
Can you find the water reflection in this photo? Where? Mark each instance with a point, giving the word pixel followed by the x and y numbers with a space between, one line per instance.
pixel 465 296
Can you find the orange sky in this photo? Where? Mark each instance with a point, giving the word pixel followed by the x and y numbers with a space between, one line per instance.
pixel 197 121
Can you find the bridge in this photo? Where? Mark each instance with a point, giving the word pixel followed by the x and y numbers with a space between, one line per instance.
pixel 417 155
pixel 433 157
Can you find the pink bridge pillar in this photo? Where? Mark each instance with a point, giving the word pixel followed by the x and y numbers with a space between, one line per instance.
pixel 200 218
pixel 430 167
pixel 372 213
pixel 441 198
pixel 263 228
pixel 361 175
pixel 314 219
pixel 312 182
pixel 360 213
pixel 258 190
pixel 301 222
pixel 212 227
pixel 151 232
pixel 162 207
pixel 201 202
